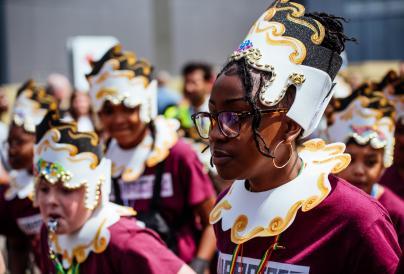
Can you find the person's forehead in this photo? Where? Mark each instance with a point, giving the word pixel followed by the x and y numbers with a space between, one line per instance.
pixel 363 150
pixel 196 74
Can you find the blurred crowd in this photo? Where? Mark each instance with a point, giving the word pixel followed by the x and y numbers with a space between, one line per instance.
pixel 193 182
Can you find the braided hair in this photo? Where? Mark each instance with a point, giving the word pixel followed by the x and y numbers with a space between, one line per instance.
pixel 334 40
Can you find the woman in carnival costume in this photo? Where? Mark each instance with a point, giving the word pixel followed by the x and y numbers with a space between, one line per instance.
pixel 85 232
pixel 290 214
pixel 153 170
pixel 18 214
pixel 364 122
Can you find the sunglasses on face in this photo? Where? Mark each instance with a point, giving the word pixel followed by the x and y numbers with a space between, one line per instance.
pixel 229 121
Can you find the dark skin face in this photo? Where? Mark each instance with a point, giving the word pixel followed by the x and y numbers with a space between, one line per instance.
pixel 239 158
pixel 123 124
pixel 365 168
pixel 21 148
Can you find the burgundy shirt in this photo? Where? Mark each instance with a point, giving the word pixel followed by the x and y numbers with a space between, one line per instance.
pixel 184 185
pixel 395 208
pixel 131 250
pixel 349 232
pixel 21 219
pixel 392 180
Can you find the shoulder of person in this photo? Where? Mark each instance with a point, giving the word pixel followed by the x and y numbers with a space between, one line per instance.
pixel 126 230
pixel 182 150
pixel 393 203
pixel 353 205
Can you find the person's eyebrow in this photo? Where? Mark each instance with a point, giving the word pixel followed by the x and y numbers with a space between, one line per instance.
pixel 229 101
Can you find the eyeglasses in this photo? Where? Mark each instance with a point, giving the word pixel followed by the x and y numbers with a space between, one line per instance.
pixel 229 121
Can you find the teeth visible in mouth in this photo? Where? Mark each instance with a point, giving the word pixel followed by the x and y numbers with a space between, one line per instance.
pixel 52 224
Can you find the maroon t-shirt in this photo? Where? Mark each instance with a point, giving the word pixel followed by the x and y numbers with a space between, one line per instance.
pixel 392 180
pixel 131 250
pixel 395 208
pixel 184 185
pixel 349 232
pixel 21 219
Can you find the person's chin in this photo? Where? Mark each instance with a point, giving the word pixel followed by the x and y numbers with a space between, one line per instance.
pixel 16 164
pixel 227 172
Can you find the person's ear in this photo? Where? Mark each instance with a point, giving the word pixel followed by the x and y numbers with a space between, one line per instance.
pixel 292 131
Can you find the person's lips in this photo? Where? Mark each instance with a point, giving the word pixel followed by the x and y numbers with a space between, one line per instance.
pixel 221 157
pixel 54 216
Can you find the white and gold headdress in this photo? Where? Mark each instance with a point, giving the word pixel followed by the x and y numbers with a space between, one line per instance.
pixel 31 105
pixel 119 77
pixel 366 116
pixel 287 44
pixel 74 158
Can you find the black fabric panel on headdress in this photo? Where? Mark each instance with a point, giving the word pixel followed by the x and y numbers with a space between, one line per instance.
pixel 399 87
pixel 83 141
pixel 127 61
pixel 316 56
pixel 376 100
pixel 39 94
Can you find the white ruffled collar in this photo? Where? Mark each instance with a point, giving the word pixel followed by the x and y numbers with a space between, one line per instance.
pixel 93 236
pixel 269 213
pixel 21 185
pixel 130 164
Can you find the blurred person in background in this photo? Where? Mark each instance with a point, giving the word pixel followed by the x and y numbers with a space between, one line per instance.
pixel 393 177
pixel 364 122
pixel 198 81
pixel 165 97
pixel 3 110
pixel 3 135
pixel 80 111
pixel 153 170
pixel 59 86
pixel 21 221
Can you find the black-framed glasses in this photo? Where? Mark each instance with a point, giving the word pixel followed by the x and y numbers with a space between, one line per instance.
pixel 229 121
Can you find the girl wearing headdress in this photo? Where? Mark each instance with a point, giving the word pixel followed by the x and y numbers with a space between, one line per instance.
pixel 364 122
pixel 393 177
pixel 84 232
pixel 153 171
pixel 289 213
pixel 21 221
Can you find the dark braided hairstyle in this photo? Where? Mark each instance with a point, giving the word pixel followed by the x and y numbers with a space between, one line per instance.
pixel 334 40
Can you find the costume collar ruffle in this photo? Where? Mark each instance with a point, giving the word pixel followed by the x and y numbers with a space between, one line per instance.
pixel 93 236
pixel 269 213
pixel 21 185
pixel 130 164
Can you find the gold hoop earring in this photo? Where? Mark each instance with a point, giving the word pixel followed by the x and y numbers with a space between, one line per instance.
pixel 290 155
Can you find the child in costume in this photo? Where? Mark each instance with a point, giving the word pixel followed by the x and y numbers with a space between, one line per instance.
pixel 290 214
pixel 364 122
pixel 85 232
pixel 18 214
pixel 153 171
pixel 393 177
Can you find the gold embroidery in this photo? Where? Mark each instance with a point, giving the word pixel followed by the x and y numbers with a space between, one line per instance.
pixel 105 92
pixel 215 215
pixel 275 37
pixel 98 245
pixel 64 147
pixel 277 225
pixel 85 156
pixel 90 135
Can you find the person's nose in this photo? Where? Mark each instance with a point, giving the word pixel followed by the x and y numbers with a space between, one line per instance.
pixel 359 171
pixel 215 134
pixel 51 199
